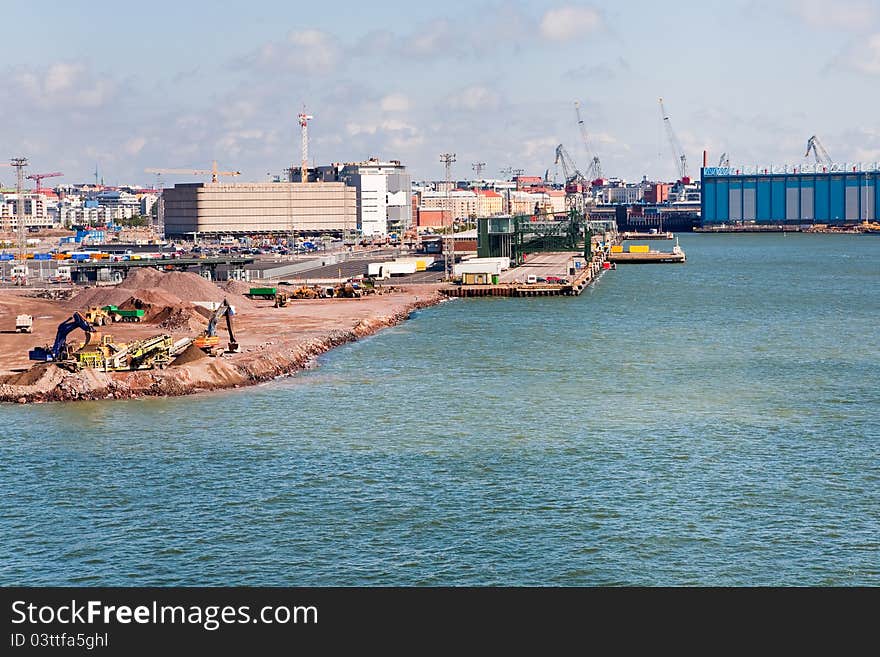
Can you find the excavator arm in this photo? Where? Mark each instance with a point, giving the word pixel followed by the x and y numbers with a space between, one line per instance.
pixel 47 354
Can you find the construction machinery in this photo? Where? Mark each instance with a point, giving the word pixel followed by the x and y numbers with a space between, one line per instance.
pixel 60 350
pixel 304 292
pixel 38 178
pixel 724 161
pixel 149 353
pixel 281 299
pixel 97 316
pixel 213 172
pixel 24 324
pixel 594 170
pixel 576 183
pixel 819 152
pixel 209 341
pixel 262 292
pixel 678 156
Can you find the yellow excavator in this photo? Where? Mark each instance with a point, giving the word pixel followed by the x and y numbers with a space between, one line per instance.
pixel 209 341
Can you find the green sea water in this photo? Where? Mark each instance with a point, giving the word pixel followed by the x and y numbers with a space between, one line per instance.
pixel 713 423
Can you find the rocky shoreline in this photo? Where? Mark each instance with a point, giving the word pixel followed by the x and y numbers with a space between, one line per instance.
pixel 256 364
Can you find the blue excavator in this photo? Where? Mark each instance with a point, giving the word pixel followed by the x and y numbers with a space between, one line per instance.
pixel 58 350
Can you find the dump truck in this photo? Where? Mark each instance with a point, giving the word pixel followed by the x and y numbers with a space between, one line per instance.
pixel 263 292
pixel 24 324
pixel 134 315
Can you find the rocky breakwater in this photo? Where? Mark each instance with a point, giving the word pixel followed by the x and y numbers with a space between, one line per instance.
pixel 274 343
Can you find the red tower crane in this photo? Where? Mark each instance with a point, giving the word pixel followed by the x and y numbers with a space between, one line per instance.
pixel 39 178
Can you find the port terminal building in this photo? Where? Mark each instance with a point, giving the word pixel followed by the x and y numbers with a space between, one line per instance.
pixel 247 208
pixel 812 194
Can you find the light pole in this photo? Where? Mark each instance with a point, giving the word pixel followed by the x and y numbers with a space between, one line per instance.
pixel 447 159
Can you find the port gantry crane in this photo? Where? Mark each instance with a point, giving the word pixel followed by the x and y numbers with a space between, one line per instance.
pixel 38 177
pixel 594 170
pixel 678 155
pixel 575 182
pixel 213 172
pixel 819 152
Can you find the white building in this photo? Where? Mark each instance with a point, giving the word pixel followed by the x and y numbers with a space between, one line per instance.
pixel 384 196
pixel 35 208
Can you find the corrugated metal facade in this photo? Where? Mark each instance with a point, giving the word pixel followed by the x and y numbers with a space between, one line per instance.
pixel 791 198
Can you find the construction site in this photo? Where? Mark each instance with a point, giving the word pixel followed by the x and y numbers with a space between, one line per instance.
pixel 174 333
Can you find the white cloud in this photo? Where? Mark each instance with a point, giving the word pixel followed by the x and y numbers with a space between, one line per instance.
pixel 135 145
pixel 308 52
pixel 569 22
pixel 65 84
pixel 542 147
pixel 475 98
pixel 371 128
pixel 394 103
pixel 867 58
pixel 842 14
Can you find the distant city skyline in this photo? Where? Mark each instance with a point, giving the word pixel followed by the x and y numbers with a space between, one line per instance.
pixel 178 85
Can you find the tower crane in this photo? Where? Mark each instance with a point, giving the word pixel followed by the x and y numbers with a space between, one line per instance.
pixel 819 152
pixel 38 177
pixel 213 172
pixel 678 155
pixel 304 129
pixel 594 171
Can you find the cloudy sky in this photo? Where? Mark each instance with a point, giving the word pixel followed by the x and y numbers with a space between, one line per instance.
pixel 177 84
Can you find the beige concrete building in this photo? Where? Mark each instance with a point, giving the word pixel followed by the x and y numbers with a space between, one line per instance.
pixel 317 207
pixel 490 203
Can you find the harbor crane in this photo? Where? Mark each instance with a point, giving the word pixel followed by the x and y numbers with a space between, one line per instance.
pixel 819 152
pixel 575 182
pixel 678 155
pixel 594 170
pixel 38 177
pixel 213 172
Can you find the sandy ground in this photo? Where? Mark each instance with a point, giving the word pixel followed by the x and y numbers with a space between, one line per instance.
pixel 274 342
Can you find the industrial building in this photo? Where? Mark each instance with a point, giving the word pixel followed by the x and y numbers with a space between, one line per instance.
pixel 246 208
pixel 813 194
pixel 384 195
pixel 384 192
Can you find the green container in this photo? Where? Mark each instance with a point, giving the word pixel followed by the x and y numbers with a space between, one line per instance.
pixel 130 313
pixel 263 291
pixel 110 309
pixel 494 279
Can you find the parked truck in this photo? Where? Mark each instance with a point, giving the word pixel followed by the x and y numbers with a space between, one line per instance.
pixel 24 324
pixel 263 292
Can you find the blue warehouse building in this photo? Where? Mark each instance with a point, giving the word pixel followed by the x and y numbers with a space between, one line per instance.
pixel 837 194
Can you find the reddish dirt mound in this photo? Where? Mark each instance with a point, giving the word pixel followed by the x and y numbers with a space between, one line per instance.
pixel 189 355
pixel 184 287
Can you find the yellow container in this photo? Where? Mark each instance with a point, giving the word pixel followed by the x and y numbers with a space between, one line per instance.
pixel 639 248
pixel 617 248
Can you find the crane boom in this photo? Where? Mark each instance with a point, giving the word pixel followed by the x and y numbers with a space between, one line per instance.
pixel 38 177
pixel 678 156
pixel 594 171
pixel 819 152
pixel 213 172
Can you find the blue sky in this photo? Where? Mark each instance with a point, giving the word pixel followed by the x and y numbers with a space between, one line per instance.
pixel 178 84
